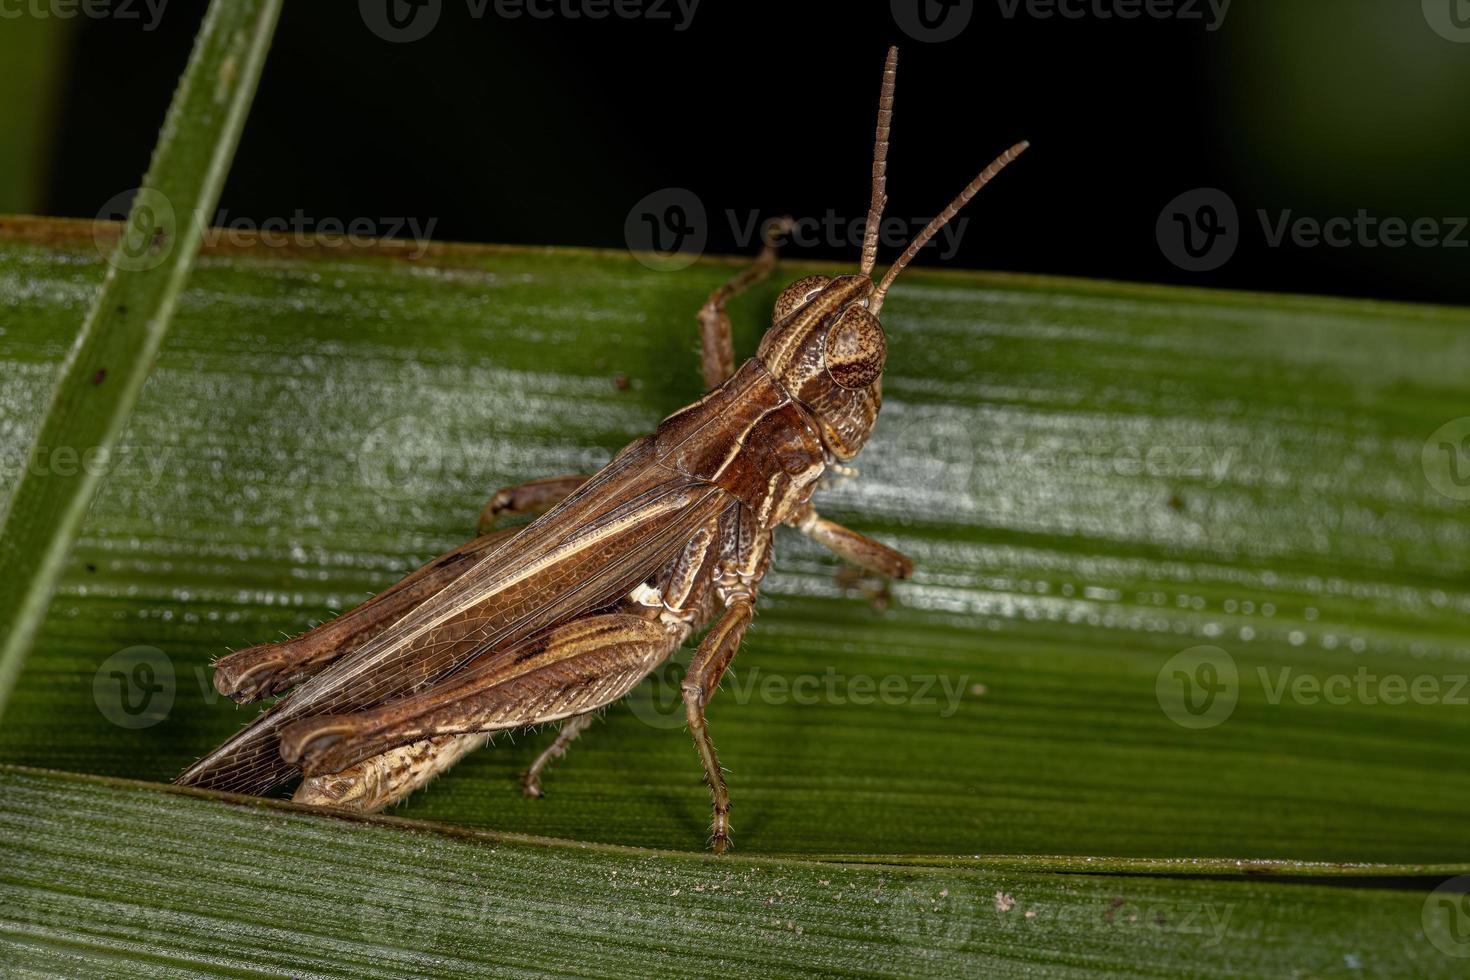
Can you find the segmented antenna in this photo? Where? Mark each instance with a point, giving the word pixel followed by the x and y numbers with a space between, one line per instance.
pixel 880 164
pixel 875 302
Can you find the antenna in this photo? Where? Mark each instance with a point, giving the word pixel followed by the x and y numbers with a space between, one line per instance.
pixel 880 164
pixel 875 302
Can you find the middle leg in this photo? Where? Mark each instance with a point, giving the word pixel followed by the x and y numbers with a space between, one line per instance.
pixel 570 729
pixel 716 349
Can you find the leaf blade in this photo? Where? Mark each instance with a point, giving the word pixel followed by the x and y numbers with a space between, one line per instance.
pixel 131 879
pixel 272 500
pixel 109 360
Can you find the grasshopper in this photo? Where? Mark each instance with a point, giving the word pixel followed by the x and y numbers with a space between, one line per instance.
pixel 552 621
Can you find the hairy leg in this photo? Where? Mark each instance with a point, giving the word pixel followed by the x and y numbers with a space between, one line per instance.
pixel 570 729
pixel 705 670
pixel 385 779
pixel 565 671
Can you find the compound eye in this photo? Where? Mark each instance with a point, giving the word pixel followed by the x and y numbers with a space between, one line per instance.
pixel 797 295
pixel 856 348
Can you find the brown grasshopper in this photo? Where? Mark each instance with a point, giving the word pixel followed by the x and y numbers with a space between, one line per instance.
pixel 564 616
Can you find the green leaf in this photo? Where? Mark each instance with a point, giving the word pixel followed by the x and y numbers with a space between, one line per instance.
pixel 108 878
pixel 1092 479
pixel 104 370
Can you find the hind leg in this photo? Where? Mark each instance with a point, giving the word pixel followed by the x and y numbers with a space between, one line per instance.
pixel 566 671
pixel 393 776
pixel 533 497
pixel 388 778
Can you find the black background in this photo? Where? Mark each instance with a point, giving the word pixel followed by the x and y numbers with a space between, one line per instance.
pixel 548 130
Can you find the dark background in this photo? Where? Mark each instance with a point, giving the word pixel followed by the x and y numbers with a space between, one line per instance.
pixel 550 130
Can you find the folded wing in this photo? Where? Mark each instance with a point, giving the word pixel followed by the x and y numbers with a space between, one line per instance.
pixel 594 547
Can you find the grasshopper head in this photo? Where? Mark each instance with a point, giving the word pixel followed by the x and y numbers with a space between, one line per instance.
pixel 826 344
pixel 828 349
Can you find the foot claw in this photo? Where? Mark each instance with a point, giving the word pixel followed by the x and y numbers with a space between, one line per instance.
pixel 875 589
pixel 531 785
